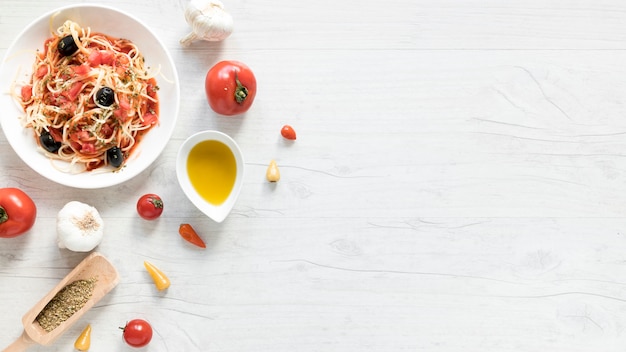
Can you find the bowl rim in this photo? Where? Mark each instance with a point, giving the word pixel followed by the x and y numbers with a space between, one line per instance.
pixel 216 212
pixel 116 176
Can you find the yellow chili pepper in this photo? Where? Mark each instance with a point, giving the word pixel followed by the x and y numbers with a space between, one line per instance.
pixel 160 279
pixel 83 342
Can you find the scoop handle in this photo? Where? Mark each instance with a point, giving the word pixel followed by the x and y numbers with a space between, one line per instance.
pixel 21 344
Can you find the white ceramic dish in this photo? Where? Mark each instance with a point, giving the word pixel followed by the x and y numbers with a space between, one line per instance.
pixel 17 66
pixel 216 212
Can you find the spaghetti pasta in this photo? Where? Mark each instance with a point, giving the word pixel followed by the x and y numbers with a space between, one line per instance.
pixel 91 103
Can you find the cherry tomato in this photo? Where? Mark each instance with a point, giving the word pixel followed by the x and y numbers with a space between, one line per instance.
pixel 230 87
pixel 17 212
pixel 288 132
pixel 137 333
pixel 150 206
pixel 190 235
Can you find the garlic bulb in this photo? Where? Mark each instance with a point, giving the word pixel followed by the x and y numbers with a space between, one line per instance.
pixel 79 227
pixel 208 20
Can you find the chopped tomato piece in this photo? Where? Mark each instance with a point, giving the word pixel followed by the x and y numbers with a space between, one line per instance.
pixel 107 57
pixel 126 48
pixel 88 148
pixel 124 103
pixel 80 136
pixel 74 90
pixel 106 131
pixel 46 44
pixel 81 70
pixel 121 64
pixel 56 135
pixel 151 88
pixel 75 145
pixel 27 93
pixel 69 107
pixel 41 71
pixel 121 114
pixel 95 58
pixel 150 119
pixel 153 106
pixel 59 99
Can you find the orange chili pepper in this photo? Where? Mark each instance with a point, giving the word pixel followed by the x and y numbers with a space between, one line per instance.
pixel 189 234
pixel 160 279
pixel 83 342
pixel 288 132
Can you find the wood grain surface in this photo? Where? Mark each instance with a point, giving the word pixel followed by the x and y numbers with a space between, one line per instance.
pixel 458 184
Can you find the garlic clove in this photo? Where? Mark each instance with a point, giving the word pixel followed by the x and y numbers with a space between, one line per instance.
pixel 208 20
pixel 272 174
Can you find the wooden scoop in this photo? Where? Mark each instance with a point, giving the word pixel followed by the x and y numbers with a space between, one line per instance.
pixel 93 266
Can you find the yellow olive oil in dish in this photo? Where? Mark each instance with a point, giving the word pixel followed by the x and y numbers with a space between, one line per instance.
pixel 212 170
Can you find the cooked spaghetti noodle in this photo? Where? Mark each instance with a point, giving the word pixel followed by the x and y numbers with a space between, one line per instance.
pixel 63 105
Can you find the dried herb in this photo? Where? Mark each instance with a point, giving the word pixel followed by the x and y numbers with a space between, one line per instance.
pixel 69 300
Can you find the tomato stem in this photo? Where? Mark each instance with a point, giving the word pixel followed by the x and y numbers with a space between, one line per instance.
pixel 4 216
pixel 241 92
pixel 157 203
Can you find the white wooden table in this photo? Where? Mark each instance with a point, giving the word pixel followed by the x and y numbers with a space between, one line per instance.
pixel 458 184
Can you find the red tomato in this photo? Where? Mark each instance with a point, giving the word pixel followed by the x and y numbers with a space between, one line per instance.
pixel 230 87
pixel 150 206
pixel 17 212
pixel 27 93
pixel 137 333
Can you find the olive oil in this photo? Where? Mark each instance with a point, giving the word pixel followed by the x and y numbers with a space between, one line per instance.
pixel 212 170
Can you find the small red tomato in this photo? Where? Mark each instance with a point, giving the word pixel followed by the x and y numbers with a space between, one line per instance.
pixel 137 333
pixel 150 206
pixel 288 132
pixel 230 87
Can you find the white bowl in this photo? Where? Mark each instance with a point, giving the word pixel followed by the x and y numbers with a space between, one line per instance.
pixel 17 64
pixel 216 212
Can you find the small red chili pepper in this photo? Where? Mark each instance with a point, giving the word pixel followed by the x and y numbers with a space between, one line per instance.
pixel 189 234
pixel 288 132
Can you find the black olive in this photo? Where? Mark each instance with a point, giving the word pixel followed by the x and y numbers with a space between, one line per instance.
pixel 67 46
pixel 115 157
pixel 105 96
pixel 48 143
